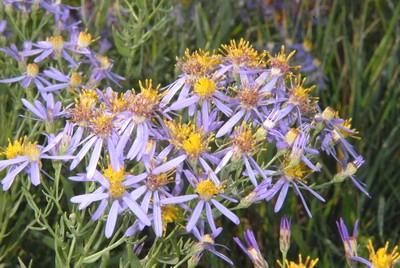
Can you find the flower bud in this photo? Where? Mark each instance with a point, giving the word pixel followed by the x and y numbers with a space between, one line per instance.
pixel 284 235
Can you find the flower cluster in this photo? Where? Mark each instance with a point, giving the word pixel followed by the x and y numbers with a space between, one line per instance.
pixel 193 147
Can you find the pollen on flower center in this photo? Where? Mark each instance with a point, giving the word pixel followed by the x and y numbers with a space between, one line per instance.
pixel 84 39
pixel 75 80
pixel 297 171
pixel 57 42
pixel 243 54
pixel 248 97
pixel 156 181
pixel 205 87
pixel 170 213
pixel 105 62
pixel 207 189
pixel 22 147
pixel 32 69
pixel 102 124
pixel 31 150
pixel 382 258
pixel 207 239
pixel 244 141
pixel 144 104
pixel 194 145
pixel 198 63
pixel 280 62
pixel 14 149
pixel 115 178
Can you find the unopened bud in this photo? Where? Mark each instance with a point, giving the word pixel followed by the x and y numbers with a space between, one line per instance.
pixel 284 235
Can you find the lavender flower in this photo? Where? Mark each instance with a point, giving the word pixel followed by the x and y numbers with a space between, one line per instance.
pixel 29 77
pixel 112 191
pixel 54 46
pixel 72 82
pixel 291 175
pixel 48 112
pixel 156 178
pixel 251 249
pixel 206 192
pixel 206 242
pixel 284 235
pixel 102 66
pixel 26 156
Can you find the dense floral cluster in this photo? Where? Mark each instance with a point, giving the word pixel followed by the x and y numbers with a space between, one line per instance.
pixel 237 127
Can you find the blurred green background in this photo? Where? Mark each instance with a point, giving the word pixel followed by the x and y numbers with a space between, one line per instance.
pixel 349 49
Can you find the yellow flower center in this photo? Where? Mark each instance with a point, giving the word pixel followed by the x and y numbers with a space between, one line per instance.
pixel 329 114
pixel 115 178
pixel 22 147
pixel 105 62
pixel 32 69
pixel 170 213
pixel 298 171
pixel 346 131
pixel 207 189
pixel 291 136
pixel 84 107
pixel 382 258
pixel 280 62
pixel 207 239
pixel 57 42
pixel 307 44
pixel 245 141
pixel 84 39
pixel 198 63
pixel 143 105
pixel 75 80
pixel 102 124
pixel 14 149
pixel 194 145
pixel 307 264
pixel 205 87
pixel 243 54
pixel 156 181
pixel 248 97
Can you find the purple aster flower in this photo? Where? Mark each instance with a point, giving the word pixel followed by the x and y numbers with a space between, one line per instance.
pixel 29 77
pixel 14 52
pixel 67 141
pixel 155 179
pixel 102 132
pixel 54 46
pixel 102 66
pixel 207 93
pixel 112 192
pixel 291 175
pixel 244 143
pixel 47 112
pixel 71 82
pixel 142 110
pixel 206 242
pixel 26 156
pixel 251 249
pixel 61 13
pixel 249 100
pixel 206 192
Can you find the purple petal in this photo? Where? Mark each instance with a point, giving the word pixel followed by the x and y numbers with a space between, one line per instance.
pixel 230 124
pixel 281 197
pixel 195 215
pixel 82 152
pixel 224 161
pixel 157 215
pixel 100 210
pixel 9 179
pixel 112 219
pixel 210 217
pixel 169 165
pixel 137 210
pixel 35 173
pixel 178 199
pixel 225 211
pixel 94 158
